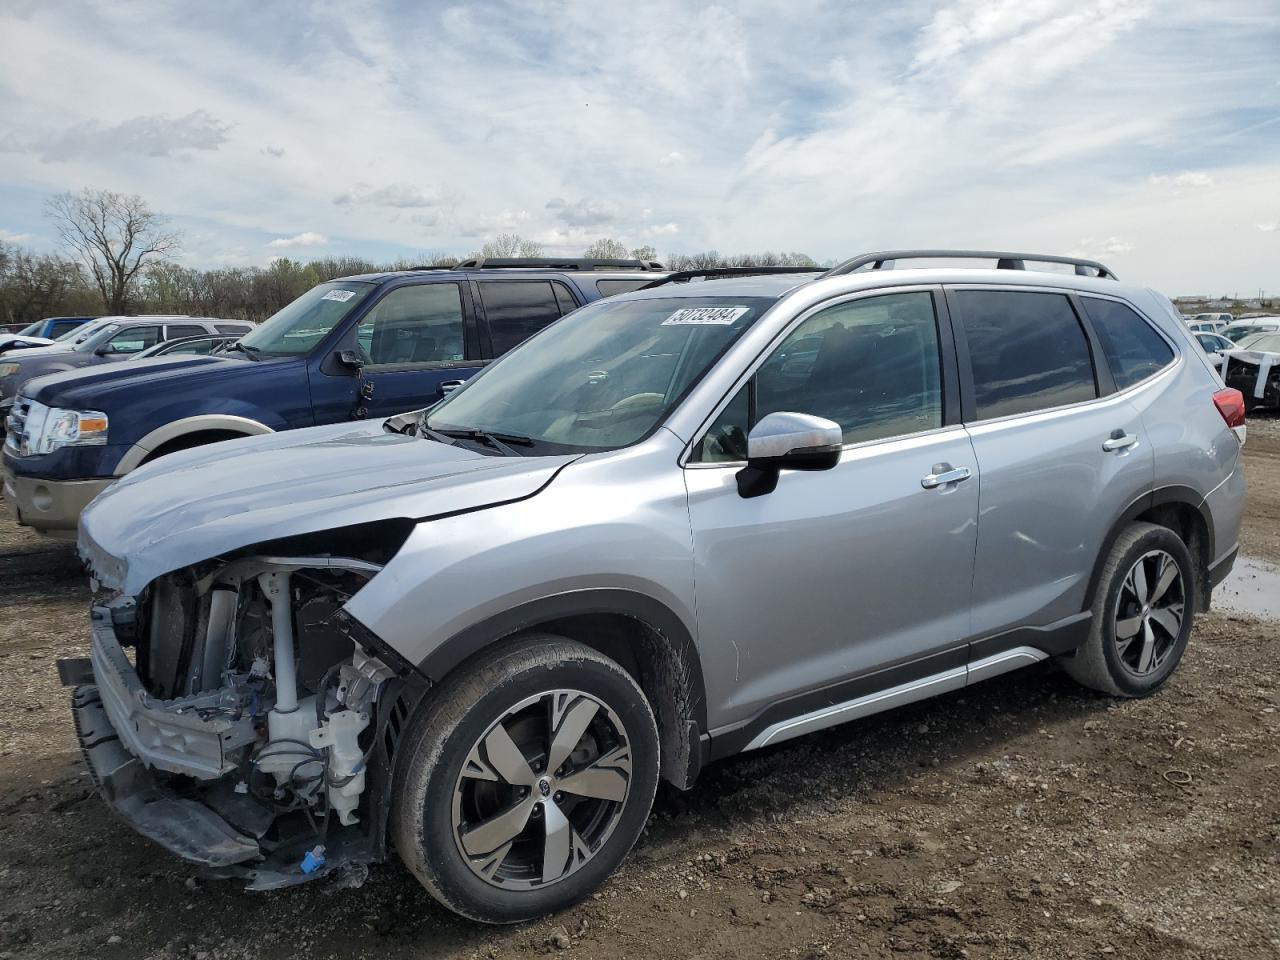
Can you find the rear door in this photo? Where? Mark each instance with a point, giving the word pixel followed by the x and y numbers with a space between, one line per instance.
pixel 176 331
pixel 415 343
pixel 515 308
pixel 1060 455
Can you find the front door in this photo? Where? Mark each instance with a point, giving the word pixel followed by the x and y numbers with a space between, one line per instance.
pixel 861 569
pixel 415 344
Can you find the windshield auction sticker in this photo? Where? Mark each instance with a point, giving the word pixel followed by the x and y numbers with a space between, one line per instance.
pixel 703 316
pixel 342 296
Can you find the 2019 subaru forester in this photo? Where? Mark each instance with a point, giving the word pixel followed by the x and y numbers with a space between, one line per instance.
pixel 692 520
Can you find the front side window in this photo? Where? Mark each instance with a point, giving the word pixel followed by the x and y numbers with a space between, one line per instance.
pixel 299 327
pixel 1027 351
pixel 1133 350
pixel 517 309
pixel 418 324
pixel 133 340
pixel 603 377
pixel 871 365
pixel 63 326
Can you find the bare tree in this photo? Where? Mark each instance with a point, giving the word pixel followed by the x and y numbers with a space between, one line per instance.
pixel 115 235
pixel 645 253
pixel 606 249
pixel 510 245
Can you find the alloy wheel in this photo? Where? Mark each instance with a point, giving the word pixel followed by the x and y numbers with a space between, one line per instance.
pixel 542 790
pixel 1149 613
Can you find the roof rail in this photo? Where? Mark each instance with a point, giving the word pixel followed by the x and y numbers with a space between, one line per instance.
pixel 682 276
pixel 555 263
pixel 884 260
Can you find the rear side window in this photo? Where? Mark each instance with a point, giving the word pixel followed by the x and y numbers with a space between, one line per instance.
pixel 59 327
pixel 517 309
pixel 1134 351
pixel 175 331
pixel 230 328
pixel 1028 351
pixel 607 288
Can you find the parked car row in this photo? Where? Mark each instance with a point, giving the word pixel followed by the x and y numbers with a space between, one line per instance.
pixel 365 346
pixel 41 333
pixel 479 622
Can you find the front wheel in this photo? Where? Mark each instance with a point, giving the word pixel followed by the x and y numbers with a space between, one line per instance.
pixel 1142 614
pixel 527 779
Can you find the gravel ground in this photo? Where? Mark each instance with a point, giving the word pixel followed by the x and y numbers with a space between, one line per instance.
pixel 1021 818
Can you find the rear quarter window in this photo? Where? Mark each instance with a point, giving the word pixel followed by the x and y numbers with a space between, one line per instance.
pixel 1134 351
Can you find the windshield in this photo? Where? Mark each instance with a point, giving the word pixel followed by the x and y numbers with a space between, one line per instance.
pixel 30 330
pixel 604 376
pixel 74 332
pixel 1266 342
pixel 96 338
pixel 1240 331
pixel 301 325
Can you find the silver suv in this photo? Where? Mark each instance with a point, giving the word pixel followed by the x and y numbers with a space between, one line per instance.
pixel 701 518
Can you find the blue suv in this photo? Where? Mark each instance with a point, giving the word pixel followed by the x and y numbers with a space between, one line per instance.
pixel 363 346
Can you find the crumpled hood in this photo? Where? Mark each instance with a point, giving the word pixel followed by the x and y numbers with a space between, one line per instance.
pixel 195 505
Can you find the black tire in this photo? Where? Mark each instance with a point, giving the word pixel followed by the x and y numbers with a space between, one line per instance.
pixel 1102 663
pixel 449 727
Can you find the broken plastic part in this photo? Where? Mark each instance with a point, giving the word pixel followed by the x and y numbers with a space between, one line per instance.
pixel 313 860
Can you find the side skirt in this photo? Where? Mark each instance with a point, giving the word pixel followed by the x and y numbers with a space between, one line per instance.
pixel 978 660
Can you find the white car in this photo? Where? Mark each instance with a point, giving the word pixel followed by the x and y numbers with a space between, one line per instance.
pixel 1216 321
pixel 1214 344
pixel 1249 327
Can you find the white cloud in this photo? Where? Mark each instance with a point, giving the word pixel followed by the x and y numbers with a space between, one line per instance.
pixel 1271 227
pixel 308 239
pixel 12 236
pixel 661 230
pixel 149 136
pixel 1107 247
pixel 584 212
pixel 1029 123
pixel 392 195
pixel 1190 179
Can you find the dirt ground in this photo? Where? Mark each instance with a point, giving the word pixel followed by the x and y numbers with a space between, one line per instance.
pixel 1019 818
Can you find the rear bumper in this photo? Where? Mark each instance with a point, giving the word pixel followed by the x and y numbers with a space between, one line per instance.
pixel 51 507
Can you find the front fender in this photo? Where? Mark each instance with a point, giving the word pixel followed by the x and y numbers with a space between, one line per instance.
pixel 186 426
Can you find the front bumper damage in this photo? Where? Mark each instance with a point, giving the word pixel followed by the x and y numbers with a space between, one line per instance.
pixel 186 740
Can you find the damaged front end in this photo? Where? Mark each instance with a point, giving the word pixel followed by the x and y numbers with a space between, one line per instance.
pixel 235 714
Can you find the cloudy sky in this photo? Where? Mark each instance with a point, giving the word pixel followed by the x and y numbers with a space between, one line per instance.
pixel 1145 132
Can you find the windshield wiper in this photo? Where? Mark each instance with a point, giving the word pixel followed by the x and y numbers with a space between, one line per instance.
pixel 251 352
pixel 499 441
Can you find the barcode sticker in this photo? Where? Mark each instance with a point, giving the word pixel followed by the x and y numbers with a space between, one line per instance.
pixel 342 296
pixel 699 316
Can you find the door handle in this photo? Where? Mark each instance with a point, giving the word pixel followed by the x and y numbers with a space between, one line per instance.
pixel 1119 440
pixel 944 473
pixel 450 385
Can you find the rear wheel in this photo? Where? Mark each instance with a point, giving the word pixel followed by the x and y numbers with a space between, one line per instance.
pixel 527 779
pixel 1142 614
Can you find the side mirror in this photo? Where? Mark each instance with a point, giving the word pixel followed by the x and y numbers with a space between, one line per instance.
pixel 787 441
pixel 350 358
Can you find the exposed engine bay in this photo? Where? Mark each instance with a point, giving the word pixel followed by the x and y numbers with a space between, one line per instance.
pixel 234 713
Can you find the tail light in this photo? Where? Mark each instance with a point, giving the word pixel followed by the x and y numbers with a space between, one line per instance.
pixel 1230 403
